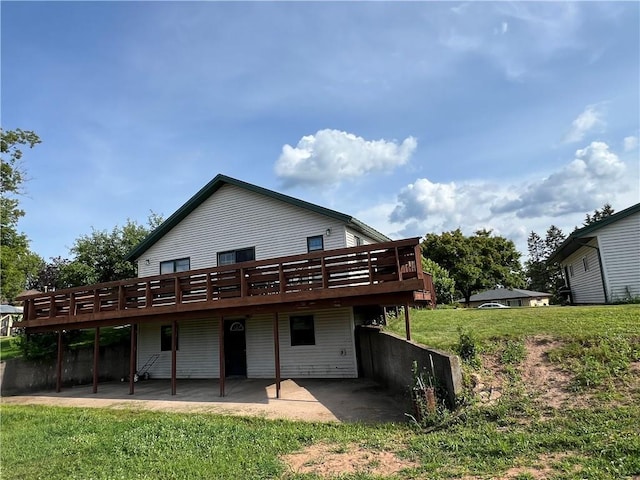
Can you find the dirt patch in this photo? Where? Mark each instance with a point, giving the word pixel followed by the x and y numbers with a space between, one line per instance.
pixel 329 460
pixel 546 380
pixel 541 469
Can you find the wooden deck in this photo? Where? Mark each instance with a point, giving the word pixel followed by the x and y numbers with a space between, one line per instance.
pixel 383 274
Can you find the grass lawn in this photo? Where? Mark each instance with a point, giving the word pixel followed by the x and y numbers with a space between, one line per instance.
pixel 8 349
pixel 517 436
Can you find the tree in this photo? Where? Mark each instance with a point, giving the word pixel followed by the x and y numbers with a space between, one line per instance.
pixel 444 285
pixel 542 276
pixel 17 262
pixel 598 215
pixel 98 257
pixel 477 262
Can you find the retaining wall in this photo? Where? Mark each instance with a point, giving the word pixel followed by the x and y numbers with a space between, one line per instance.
pixel 388 359
pixel 19 376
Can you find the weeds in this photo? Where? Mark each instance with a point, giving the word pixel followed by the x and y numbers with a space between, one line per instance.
pixel 597 362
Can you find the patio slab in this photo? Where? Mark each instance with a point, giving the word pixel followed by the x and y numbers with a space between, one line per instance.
pixel 313 400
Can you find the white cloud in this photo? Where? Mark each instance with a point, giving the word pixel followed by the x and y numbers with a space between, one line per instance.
pixel 595 176
pixel 630 143
pixel 587 182
pixel 331 156
pixel 584 123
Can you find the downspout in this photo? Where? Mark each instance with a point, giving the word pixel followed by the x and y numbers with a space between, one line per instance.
pixel 604 285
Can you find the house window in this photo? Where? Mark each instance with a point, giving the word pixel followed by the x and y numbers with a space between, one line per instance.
pixel 302 330
pixel 571 270
pixel 358 240
pixel 585 264
pixel 236 256
pixel 165 338
pixel 315 243
pixel 172 266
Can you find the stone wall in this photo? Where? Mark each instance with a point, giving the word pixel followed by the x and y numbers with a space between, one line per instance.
pixel 19 376
pixel 388 359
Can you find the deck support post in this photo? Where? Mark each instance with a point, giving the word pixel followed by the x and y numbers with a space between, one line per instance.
pixel 221 349
pixel 174 348
pixel 276 344
pixel 96 359
pixel 407 321
pixel 132 357
pixel 59 363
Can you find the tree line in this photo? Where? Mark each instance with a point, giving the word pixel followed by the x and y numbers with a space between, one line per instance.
pixel 461 265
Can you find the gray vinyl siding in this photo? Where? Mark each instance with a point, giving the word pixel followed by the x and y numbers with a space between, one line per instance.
pixel 235 218
pixel 586 286
pixel 333 355
pixel 351 238
pixel 620 248
pixel 197 355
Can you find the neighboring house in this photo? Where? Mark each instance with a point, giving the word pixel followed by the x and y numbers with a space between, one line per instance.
pixel 8 315
pixel 229 222
pixel 601 262
pixel 510 297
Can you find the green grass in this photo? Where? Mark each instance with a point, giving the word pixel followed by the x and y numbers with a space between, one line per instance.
pixel 511 438
pixel 439 328
pixel 8 348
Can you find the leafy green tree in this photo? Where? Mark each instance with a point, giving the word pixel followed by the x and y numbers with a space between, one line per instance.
pixel 477 262
pixel 598 215
pixel 98 257
pixel 542 276
pixel 444 285
pixel 17 262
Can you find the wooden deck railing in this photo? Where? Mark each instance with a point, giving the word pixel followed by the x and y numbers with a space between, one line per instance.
pixel 300 276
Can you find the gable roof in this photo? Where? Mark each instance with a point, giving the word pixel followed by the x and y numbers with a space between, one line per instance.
pixel 576 240
pixel 504 294
pixel 219 181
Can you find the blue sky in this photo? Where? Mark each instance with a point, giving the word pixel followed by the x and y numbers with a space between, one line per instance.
pixel 413 117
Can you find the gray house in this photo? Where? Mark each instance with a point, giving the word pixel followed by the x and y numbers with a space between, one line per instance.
pixel 601 262
pixel 510 297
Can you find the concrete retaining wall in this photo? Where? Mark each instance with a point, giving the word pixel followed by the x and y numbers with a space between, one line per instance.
pixel 388 359
pixel 19 376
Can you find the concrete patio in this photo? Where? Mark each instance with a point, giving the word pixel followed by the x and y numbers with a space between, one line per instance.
pixel 313 400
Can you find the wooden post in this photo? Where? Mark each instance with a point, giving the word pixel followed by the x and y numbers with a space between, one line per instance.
pixel 221 349
pixel 370 268
pixel 148 298
pixel 96 358
pixel 407 321
pixel 132 358
pixel 243 284
pixel 398 264
pixel 209 288
pixel 52 306
pixel 59 363
pixel 174 347
pixel 122 301
pixel 276 345
pixel 72 304
pixel 178 291
pixel 281 278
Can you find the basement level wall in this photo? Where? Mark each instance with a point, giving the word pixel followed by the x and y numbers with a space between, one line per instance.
pixel 332 356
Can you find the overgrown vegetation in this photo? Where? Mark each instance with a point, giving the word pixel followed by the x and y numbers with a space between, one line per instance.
pixel 41 346
pixel 514 436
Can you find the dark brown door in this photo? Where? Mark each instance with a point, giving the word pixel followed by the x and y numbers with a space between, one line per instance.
pixel 235 348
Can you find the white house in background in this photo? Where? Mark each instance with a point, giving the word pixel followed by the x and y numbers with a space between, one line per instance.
pixel 509 297
pixel 8 316
pixel 601 262
pixel 227 222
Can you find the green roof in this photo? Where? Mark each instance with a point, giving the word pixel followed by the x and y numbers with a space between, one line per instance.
pixel 220 180
pixel 572 242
